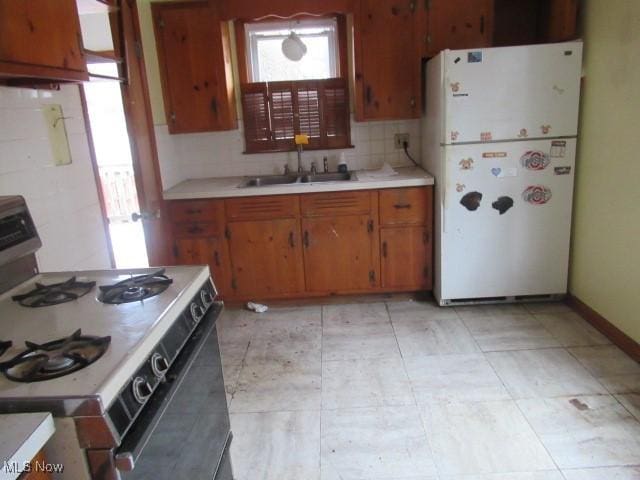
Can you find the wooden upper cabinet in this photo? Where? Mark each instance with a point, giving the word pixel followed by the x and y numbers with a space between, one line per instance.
pixel 458 24
pixel 387 60
pixel 195 67
pixel 41 39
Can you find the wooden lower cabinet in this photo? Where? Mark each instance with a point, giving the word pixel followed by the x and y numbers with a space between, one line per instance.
pixel 406 258
pixel 340 253
pixel 210 251
pixel 315 244
pixel 266 258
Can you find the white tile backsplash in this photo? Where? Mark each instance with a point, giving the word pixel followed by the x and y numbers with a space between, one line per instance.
pixel 63 200
pixel 219 154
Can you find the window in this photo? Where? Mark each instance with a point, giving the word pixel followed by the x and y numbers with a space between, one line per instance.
pixel 282 98
pixel 267 63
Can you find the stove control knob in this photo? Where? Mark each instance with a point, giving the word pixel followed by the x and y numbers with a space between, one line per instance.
pixel 206 298
pixel 159 365
pixel 196 312
pixel 141 389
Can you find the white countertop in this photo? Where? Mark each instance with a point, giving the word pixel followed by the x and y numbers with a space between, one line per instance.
pixel 228 186
pixel 23 436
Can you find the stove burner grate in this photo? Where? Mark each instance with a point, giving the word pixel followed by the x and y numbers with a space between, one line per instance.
pixel 136 288
pixel 54 294
pixel 4 346
pixel 56 358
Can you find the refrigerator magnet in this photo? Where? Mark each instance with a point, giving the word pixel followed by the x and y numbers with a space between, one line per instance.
pixel 502 204
pixel 545 129
pixel 486 136
pixel 494 154
pixel 535 160
pixel 562 170
pixel 454 136
pixel 523 133
pixel 455 87
pixel 466 164
pixel 471 201
pixel 536 194
pixel 496 171
pixel 460 187
pixel 558 148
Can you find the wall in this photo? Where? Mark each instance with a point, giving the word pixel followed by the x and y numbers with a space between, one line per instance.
pixel 605 260
pixel 219 154
pixel 62 199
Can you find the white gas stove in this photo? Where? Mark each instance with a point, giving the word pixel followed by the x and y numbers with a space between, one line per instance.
pixel 115 356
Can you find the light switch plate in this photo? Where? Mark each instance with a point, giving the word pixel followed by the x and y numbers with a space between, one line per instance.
pixel 58 140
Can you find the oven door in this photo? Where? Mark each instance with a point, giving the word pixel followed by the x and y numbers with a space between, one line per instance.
pixel 184 430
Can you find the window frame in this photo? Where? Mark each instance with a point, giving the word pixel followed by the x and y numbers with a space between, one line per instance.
pixel 251 42
pixel 263 91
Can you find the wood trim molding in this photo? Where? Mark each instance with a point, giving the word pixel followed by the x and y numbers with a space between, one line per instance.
pixel 604 326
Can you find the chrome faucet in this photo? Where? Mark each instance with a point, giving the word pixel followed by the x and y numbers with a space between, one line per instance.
pixel 287 170
pixel 325 161
pixel 300 170
pixel 314 169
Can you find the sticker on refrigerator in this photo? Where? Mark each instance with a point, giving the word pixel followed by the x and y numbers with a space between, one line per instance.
pixel 502 204
pixel 535 160
pixel 471 201
pixel 500 172
pixel 454 136
pixel 460 187
pixel 558 148
pixel 486 136
pixel 562 170
pixel 536 194
pixel 545 129
pixel 455 87
pixel 494 154
pixel 523 133
pixel 474 57
pixel 466 164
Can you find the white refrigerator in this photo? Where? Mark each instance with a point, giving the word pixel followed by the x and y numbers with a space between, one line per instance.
pixel 499 136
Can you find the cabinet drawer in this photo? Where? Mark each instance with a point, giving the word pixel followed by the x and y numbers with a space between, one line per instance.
pixel 262 208
pixel 335 203
pixel 197 211
pixel 196 229
pixel 405 206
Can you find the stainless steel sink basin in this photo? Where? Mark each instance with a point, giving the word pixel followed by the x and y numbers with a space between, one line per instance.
pixel 269 180
pixel 329 177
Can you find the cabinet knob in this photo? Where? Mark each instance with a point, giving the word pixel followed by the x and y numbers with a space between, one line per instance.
pixel 305 239
pixel 384 249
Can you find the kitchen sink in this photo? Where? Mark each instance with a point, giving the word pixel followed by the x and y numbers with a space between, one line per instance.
pixel 270 180
pixel 329 177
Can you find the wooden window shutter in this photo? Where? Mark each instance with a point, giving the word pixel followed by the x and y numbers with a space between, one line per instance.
pixel 275 112
pixel 281 105
pixel 336 119
pixel 255 107
pixel 308 119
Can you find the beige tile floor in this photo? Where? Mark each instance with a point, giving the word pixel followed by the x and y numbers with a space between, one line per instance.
pixel 404 390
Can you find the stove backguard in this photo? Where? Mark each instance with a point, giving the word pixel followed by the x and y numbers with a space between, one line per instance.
pixel 19 241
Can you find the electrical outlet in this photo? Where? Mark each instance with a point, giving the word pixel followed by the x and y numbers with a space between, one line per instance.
pixel 401 139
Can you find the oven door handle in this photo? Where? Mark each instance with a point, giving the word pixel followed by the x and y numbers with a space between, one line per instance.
pixel 136 439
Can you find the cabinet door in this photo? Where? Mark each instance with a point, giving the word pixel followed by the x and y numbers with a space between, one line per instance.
pixel 406 258
pixel 195 67
pixel 387 60
pixel 339 253
pixel 457 24
pixel 266 257
pixel 210 251
pixel 41 38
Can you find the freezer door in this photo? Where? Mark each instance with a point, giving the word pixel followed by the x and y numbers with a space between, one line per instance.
pixel 506 219
pixel 512 93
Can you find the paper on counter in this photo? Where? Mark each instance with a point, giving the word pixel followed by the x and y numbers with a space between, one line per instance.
pixel 385 171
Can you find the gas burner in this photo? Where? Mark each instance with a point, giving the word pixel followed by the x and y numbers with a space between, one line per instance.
pixel 136 288
pixel 4 346
pixel 56 358
pixel 54 294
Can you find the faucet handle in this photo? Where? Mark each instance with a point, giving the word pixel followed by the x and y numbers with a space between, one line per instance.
pixel 325 161
pixel 314 169
pixel 287 170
